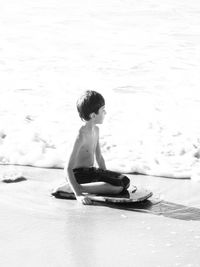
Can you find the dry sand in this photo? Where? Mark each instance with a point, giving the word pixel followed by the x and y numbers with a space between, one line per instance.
pixel 39 230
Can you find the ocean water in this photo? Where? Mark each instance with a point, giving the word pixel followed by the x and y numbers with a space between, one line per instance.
pixel 143 56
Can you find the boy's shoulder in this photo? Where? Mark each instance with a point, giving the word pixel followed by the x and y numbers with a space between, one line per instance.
pixel 84 130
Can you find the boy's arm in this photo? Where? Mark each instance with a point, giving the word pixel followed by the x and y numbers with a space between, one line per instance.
pixel 69 167
pixel 99 157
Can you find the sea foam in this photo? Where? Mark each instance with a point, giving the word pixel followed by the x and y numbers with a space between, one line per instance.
pixel 141 56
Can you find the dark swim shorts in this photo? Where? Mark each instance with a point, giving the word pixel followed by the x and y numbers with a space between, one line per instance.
pixel 92 174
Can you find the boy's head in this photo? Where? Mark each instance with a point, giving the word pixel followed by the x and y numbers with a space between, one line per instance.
pixel 90 102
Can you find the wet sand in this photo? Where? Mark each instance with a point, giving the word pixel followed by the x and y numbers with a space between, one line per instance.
pixel 39 230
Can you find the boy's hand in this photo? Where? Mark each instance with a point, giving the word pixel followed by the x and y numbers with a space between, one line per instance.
pixel 84 200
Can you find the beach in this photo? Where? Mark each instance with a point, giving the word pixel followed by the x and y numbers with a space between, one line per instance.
pixel 39 230
pixel 143 57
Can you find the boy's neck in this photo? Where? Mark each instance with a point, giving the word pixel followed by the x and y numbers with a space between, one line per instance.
pixel 90 125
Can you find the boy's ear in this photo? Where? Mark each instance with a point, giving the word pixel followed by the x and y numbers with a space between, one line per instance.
pixel 92 115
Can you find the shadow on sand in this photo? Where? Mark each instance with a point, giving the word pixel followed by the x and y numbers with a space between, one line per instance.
pixel 163 208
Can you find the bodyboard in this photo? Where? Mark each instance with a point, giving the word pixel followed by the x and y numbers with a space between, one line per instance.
pixel 128 197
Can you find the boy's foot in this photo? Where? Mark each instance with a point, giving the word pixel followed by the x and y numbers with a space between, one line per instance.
pixel 61 194
pixel 63 191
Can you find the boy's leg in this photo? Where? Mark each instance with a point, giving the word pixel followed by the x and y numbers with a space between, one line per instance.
pixel 98 181
pixel 96 187
pixel 114 178
pixel 101 188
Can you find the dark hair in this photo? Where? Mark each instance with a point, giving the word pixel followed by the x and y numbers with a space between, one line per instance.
pixel 88 103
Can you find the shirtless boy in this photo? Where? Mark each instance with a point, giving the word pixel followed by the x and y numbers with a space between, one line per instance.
pixel 80 172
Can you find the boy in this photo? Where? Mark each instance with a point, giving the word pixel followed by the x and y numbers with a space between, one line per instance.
pixel 80 173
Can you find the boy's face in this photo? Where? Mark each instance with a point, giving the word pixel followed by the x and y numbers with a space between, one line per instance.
pixel 99 118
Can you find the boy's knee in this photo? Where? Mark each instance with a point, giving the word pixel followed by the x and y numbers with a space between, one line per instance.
pixel 125 181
